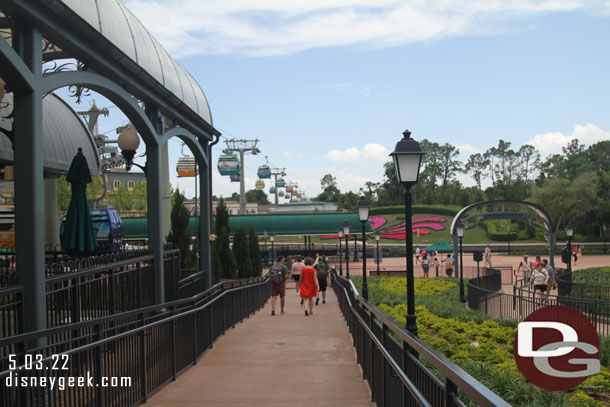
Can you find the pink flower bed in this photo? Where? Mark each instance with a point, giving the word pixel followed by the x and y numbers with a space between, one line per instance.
pixel 377 222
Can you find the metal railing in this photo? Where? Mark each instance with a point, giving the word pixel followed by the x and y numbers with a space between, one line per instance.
pixel 485 295
pixel 94 293
pixel 147 348
pixel 392 360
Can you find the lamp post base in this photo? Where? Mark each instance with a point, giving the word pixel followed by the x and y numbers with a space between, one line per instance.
pixel 411 324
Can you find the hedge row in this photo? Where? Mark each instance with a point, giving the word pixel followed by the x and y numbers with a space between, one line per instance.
pixel 451 210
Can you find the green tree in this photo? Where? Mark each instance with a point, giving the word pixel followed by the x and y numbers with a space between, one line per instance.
pixel 257 196
pixel 64 191
pixel 241 252
pixel 566 200
pixel 255 253
pixel 225 266
pixel 140 196
pixel 449 167
pixel 390 191
pixel 178 235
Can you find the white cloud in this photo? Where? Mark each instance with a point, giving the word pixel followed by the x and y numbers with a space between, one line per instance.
pixel 376 152
pixel 468 149
pixel 278 27
pixel 347 155
pixel 553 142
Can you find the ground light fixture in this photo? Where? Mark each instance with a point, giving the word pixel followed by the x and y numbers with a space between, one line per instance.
pixel 363 206
pixel 407 156
pixel 377 237
pixel 460 229
pixel 345 228
pixel 569 234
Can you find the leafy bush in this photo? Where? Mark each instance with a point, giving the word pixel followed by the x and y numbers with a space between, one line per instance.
pixel 450 210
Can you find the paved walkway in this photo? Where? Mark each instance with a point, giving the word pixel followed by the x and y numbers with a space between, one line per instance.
pixel 281 360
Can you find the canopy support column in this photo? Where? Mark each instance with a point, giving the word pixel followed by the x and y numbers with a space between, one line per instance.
pixel 155 212
pixel 29 197
pixel 205 262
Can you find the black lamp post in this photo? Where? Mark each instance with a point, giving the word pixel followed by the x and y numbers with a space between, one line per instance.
pixel 272 238
pixel 377 237
pixel 508 230
pixel 364 207
pixel 340 233
pixel 346 234
pixel 459 231
pixel 407 157
pixel 569 234
pixel 604 228
pixel 265 235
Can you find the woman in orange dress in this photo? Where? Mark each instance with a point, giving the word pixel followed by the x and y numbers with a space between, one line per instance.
pixel 309 285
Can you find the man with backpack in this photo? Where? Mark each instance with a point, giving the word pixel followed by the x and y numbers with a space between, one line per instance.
pixel 322 273
pixel 278 273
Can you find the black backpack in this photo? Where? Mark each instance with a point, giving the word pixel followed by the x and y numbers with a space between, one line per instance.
pixel 276 273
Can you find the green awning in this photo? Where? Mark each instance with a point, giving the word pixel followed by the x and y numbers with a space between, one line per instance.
pixel 280 224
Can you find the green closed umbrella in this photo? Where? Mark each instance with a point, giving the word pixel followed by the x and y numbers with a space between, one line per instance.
pixel 440 246
pixel 78 233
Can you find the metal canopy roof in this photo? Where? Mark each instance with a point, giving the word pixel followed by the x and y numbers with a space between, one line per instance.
pixel 121 27
pixel 62 133
pixel 289 224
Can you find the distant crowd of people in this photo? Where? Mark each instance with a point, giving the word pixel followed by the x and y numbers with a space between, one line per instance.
pixel 311 278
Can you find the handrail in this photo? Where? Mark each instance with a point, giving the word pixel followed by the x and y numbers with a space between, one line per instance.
pixel 464 381
pixel 395 367
pixel 150 324
pixel 221 286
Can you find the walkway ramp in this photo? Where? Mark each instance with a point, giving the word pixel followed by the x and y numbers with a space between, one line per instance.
pixel 281 360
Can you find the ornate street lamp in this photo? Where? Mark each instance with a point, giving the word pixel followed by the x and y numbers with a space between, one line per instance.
pixel 377 237
pixel 128 142
pixel 272 238
pixel 346 234
pixel 569 234
pixel 407 157
pixel 459 231
pixel 363 208
pixel 340 233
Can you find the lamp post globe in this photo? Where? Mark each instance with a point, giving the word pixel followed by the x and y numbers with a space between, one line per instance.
pixel 346 234
pixel 128 142
pixel 407 156
pixel 363 206
pixel 460 229
pixel 340 234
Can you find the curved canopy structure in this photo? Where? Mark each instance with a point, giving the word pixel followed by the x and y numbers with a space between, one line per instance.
pixel 63 132
pixel 116 24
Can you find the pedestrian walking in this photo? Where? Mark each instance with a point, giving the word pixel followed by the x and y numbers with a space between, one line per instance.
pixel 295 271
pixel 449 264
pixel 278 273
pixel 524 269
pixel 539 280
pixel 425 263
pixel 550 284
pixel 487 256
pixel 309 285
pixel 322 275
pixel 417 254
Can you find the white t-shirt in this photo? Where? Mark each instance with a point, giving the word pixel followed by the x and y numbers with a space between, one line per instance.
pixel 540 277
pixel 449 260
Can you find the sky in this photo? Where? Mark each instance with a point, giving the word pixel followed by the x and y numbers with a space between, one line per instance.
pixel 329 86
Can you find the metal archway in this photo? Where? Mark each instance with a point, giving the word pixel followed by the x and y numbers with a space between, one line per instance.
pixel 537 217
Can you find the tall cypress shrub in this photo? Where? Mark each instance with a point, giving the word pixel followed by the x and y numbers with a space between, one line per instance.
pixel 241 251
pixel 255 253
pixel 225 267
pixel 178 234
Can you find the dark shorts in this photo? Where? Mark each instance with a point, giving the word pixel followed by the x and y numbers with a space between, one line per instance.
pixel 296 277
pixel 323 283
pixel 540 287
pixel 278 289
pixel 426 267
pixel 449 271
